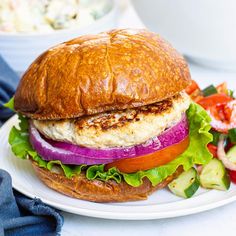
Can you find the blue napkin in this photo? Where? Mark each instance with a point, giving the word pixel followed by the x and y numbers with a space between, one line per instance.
pixel 8 83
pixel 21 216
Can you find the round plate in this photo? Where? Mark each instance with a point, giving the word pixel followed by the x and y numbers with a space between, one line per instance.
pixel 161 204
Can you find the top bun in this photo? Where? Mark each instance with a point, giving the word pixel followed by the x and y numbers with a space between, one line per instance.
pixel 96 73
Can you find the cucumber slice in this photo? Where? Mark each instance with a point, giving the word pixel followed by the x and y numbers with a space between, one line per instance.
pixel 214 176
pixel 186 184
pixel 231 154
pixel 232 135
pixel 209 90
pixel 216 136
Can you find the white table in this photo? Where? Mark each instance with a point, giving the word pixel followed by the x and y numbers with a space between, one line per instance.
pixel 220 221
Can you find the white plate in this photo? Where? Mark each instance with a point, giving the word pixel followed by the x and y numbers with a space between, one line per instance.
pixel 161 204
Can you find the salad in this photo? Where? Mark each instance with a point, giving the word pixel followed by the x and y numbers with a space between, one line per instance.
pixel 220 104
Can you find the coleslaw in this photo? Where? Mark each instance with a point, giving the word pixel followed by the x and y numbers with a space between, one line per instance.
pixel 49 15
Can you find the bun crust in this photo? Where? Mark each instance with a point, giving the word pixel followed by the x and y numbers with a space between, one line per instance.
pixel 109 71
pixel 99 191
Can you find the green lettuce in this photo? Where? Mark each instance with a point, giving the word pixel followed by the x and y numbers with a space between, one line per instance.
pixel 196 153
pixel 98 172
pixel 10 104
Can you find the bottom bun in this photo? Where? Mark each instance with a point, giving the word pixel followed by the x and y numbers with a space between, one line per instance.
pixel 97 190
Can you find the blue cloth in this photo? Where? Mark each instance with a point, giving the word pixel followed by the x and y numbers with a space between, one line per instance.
pixel 8 82
pixel 21 216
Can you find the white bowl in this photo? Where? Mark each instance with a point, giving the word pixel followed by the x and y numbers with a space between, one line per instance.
pixel 20 50
pixel 204 30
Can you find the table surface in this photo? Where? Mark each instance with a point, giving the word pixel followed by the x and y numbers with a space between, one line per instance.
pixel 215 222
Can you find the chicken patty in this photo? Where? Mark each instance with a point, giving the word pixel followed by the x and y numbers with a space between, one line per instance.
pixel 118 128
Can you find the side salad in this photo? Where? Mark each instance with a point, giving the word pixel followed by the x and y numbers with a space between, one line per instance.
pixel 220 104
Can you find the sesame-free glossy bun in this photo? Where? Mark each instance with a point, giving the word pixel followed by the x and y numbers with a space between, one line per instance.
pixel 95 73
pixel 99 191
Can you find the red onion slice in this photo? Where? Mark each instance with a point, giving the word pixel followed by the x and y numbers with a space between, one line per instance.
pixel 222 156
pixel 72 154
pixel 50 153
pixel 171 136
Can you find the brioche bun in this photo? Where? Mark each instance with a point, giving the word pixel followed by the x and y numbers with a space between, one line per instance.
pixel 91 74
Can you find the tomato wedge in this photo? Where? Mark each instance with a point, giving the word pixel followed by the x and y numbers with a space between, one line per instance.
pixel 161 157
pixel 212 149
pixel 232 175
pixel 222 88
pixel 213 100
pixel 192 87
pixel 223 116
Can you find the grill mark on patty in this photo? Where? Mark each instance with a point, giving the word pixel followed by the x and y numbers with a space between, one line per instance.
pixel 117 119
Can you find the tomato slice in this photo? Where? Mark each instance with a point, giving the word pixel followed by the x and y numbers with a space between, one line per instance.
pixel 213 100
pixel 192 87
pixel 213 149
pixel 161 157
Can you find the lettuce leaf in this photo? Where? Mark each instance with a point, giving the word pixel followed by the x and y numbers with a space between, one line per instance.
pixel 196 153
pixel 98 172
pixel 10 104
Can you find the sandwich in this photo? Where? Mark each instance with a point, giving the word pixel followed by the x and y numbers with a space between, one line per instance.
pixel 106 118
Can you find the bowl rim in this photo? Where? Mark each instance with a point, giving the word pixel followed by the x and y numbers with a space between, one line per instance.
pixel 111 12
